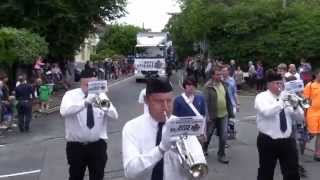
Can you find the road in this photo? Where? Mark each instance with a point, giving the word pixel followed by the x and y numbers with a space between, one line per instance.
pixel 40 154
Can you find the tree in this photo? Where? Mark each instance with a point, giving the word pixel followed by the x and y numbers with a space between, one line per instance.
pixel 64 23
pixel 20 46
pixel 250 29
pixel 117 40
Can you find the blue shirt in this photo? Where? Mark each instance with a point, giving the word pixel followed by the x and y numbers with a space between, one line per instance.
pixel 232 90
pixel 181 108
pixel 24 92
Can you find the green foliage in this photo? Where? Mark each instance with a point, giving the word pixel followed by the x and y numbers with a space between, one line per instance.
pixel 117 40
pixel 250 29
pixel 20 46
pixel 64 23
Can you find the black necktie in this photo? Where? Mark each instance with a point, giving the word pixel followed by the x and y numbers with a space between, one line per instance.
pixel 157 172
pixel 283 121
pixel 90 118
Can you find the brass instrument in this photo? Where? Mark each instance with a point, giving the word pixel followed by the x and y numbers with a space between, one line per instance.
pixel 102 101
pixel 295 100
pixel 191 155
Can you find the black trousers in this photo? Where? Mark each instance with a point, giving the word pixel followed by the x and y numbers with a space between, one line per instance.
pixel 24 109
pixel 92 155
pixel 271 150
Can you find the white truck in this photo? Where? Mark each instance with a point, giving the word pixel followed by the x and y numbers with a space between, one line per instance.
pixel 150 54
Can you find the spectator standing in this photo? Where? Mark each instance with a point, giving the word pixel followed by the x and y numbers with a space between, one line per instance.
pixel 233 67
pixel 208 69
pixel 292 71
pixel 38 66
pixel 7 108
pixel 312 92
pixel 1 95
pixel 24 95
pixel 260 77
pixel 282 69
pixel 239 77
pixel 252 74
pixel 305 71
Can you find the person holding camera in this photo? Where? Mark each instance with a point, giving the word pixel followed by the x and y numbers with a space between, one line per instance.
pixel 86 130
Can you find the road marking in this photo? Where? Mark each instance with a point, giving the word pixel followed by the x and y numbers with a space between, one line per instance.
pixel 2 146
pixel 20 173
pixel 248 117
pixel 118 82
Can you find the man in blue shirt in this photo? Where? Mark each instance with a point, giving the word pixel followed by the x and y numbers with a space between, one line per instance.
pixel 232 88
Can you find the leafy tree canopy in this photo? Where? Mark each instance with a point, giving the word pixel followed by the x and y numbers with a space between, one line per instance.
pixel 63 23
pixel 249 29
pixel 117 39
pixel 20 46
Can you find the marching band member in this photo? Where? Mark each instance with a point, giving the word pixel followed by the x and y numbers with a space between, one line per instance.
pixel 189 103
pixel 141 100
pixel 274 122
pixel 145 140
pixel 86 130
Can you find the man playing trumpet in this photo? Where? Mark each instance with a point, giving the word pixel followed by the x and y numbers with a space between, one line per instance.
pixel 86 129
pixel 146 145
pixel 274 123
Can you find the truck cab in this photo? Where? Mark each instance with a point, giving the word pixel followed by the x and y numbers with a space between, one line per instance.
pixel 150 55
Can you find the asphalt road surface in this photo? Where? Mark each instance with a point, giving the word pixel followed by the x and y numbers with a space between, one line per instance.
pixel 40 154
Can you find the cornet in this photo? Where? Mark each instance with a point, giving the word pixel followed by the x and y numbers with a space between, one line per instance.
pixel 102 101
pixel 295 100
pixel 191 155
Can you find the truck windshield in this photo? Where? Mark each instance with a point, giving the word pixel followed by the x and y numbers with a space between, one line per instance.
pixel 149 52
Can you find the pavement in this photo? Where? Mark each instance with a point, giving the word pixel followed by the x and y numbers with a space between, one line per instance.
pixel 40 154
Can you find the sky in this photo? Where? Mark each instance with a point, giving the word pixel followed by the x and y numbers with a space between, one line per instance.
pixel 150 13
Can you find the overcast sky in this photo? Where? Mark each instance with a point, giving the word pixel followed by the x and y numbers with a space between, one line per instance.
pixel 151 13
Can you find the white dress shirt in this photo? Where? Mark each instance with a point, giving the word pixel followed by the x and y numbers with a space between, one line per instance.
pixel 142 95
pixel 74 111
pixel 140 153
pixel 268 107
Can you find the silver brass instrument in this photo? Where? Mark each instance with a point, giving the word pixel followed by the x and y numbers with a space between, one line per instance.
pixel 102 101
pixel 191 155
pixel 296 100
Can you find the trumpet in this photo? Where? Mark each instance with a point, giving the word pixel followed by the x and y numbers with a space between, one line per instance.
pixel 102 101
pixel 295 100
pixel 191 155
